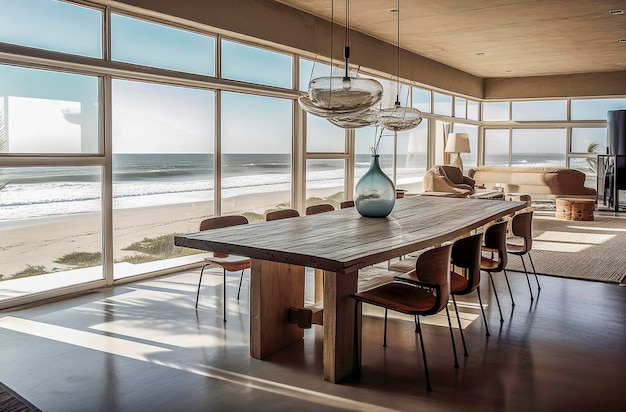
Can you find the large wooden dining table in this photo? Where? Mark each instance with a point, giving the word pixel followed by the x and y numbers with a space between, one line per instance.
pixel 339 243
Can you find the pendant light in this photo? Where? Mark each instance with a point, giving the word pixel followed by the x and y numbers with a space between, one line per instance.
pixel 336 96
pixel 399 117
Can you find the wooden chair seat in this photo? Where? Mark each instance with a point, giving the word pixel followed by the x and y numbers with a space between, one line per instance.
pixel 401 298
pixel 458 282
pixel 232 263
pixel 489 264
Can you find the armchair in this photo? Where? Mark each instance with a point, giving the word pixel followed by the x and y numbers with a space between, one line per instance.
pixel 448 179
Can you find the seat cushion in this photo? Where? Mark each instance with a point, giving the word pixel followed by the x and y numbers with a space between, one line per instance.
pixel 458 283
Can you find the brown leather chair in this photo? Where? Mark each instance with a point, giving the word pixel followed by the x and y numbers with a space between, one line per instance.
pixel 431 297
pixel 320 208
pixel 229 263
pixel 346 204
pixel 495 245
pixel 466 254
pixel 281 214
pixel 522 242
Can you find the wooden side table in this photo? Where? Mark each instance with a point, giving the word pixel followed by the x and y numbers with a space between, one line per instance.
pixel 570 208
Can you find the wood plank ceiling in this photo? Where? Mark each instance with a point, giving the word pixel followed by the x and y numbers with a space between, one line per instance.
pixel 495 38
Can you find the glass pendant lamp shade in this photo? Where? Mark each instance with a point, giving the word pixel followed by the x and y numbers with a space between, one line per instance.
pixel 355 121
pixel 308 106
pixel 344 93
pixel 400 118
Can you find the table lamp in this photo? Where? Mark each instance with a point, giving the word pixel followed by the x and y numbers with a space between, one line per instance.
pixel 457 143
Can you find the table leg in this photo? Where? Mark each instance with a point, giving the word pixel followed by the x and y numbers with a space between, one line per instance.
pixel 274 288
pixel 319 286
pixel 339 323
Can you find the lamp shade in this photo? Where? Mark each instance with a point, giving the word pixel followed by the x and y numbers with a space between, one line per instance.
pixel 458 143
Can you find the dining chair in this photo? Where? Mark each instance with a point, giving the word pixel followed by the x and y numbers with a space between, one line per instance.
pixel 228 263
pixel 281 214
pixel 320 208
pixel 346 204
pixel 522 242
pixel 429 298
pixel 466 254
pixel 495 246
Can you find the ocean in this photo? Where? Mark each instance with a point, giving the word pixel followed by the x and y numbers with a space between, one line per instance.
pixel 141 180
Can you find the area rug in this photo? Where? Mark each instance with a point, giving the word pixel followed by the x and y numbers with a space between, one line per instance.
pixel 594 250
pixel 12 402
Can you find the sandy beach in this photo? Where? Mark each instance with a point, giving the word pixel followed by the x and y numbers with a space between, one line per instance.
pixel 40 241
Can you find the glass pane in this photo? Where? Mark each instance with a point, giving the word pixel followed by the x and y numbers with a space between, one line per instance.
pixel 595 109
pixel 50 217
pixel 49 112
pixel 256 154
pixel 472 110
pixel 589 140
pixel 539 147
pixel 421 99
pixel 256 65
pixel 52 25
pixel 150 44
pixel 497 147
pixel 460 107
pixel 540 110
pixel 325 181
pixel 162 172
pixel 469 159
pixel 412 154
pixel 587 165
pixel 495 111
pixel 324 137
pixel 443 104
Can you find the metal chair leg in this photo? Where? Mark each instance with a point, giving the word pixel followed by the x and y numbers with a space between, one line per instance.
pixel 509 286
pixel 421 338
pixel 458 319
pixel 482 309
pixel 240 281
pixel 385 330
pixel 527 278
pixel 534 271
pixel 224 297
pixel 456 361
pixel 495 292
pixel 199 284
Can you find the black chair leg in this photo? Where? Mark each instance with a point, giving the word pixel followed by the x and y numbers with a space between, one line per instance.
pixel 482 309
pixel 534 271
pixel 240 281
pixel 199 284
pixel 224 297
pixel 508 285
pixel 495 293
pixel 456 361
pixel 385 330
pixel 527 278
pixel 421 338
pixel 458 319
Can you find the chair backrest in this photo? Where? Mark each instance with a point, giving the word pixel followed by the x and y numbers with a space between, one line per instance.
pixel 495 238
pixel 281 214
pixel 321 208
pixel 433 269
pixel 466 254
pixel 346 204
pixel 219 222
pixel 453 173
pixel 522 226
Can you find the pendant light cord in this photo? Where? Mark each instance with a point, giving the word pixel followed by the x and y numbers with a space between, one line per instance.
pixel 346 50
pixel 398 59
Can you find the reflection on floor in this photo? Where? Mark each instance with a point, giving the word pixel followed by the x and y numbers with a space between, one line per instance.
pixel 143 347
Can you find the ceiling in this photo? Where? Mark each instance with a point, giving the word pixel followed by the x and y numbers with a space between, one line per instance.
pixel 494 38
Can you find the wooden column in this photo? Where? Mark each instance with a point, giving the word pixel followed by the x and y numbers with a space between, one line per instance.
pixel 339 316
pixel 274 288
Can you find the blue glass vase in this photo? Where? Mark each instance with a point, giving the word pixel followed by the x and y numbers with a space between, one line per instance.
pixel 375 194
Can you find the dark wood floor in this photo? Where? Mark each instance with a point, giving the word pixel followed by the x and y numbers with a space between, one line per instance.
pixel 143 347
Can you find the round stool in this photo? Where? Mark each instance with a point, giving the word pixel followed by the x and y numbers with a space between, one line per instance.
pixel 569 208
